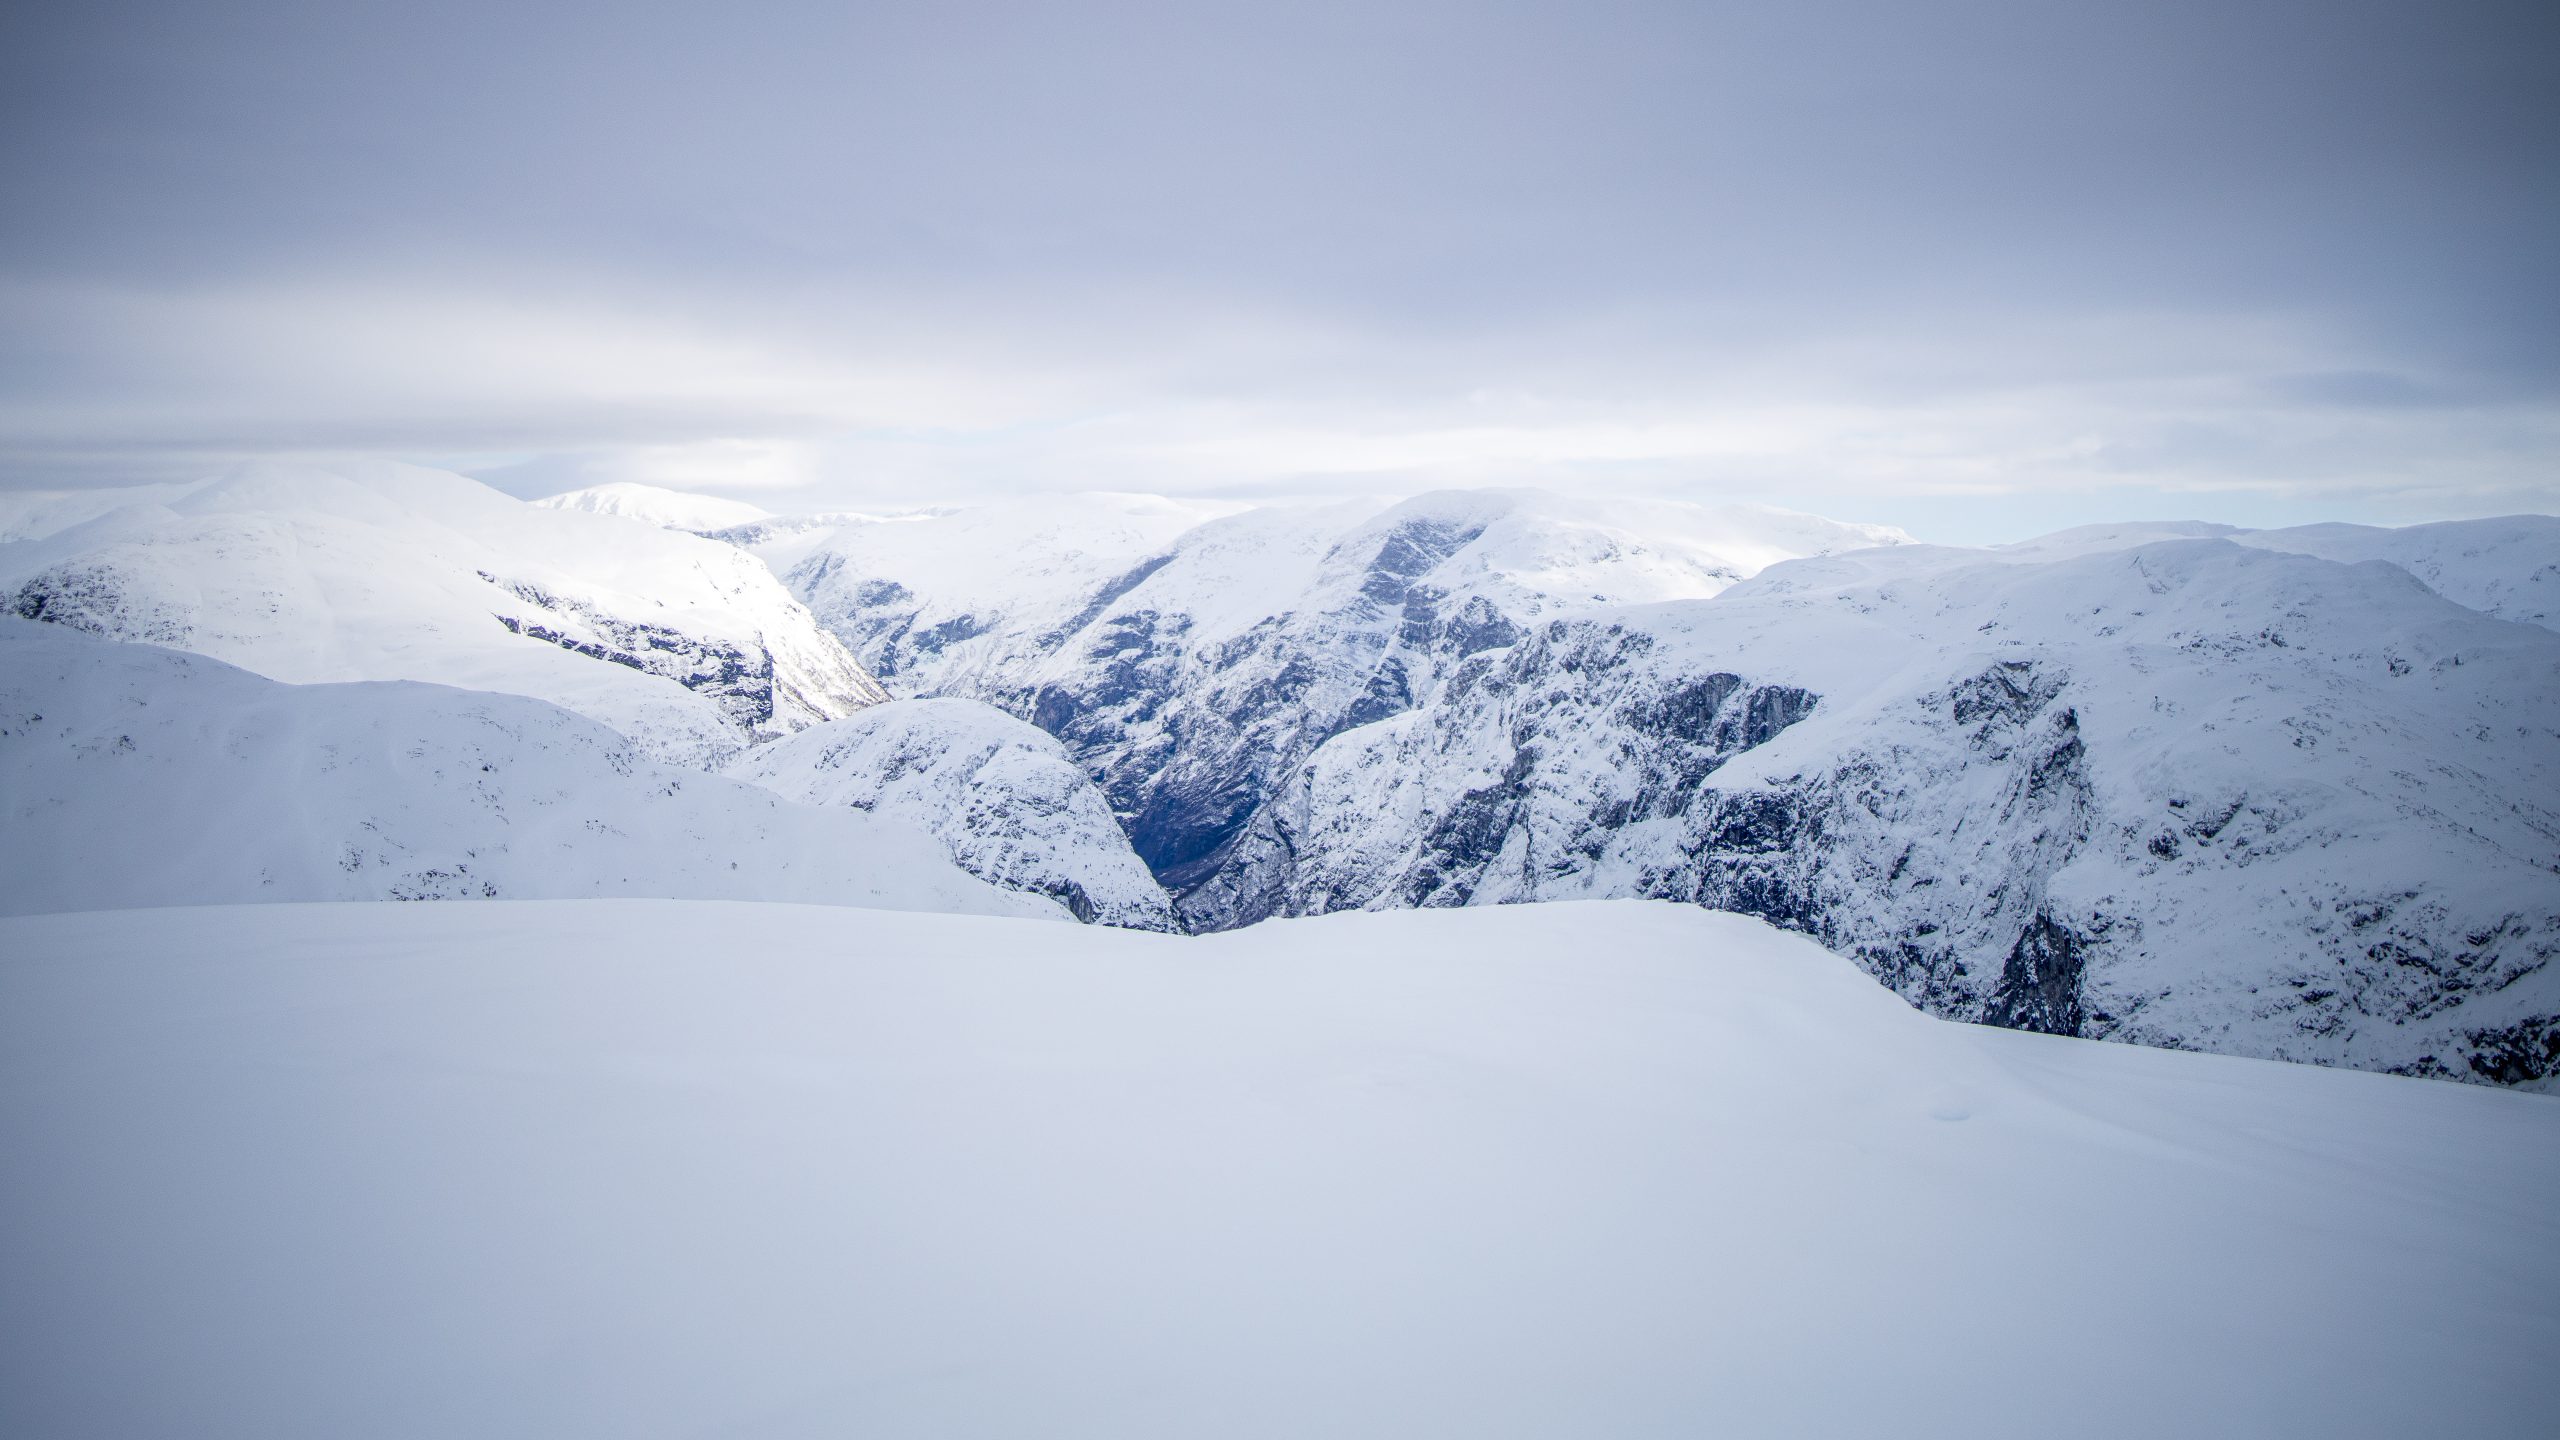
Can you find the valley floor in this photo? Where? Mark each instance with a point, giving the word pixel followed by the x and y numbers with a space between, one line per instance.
pixel 638 1168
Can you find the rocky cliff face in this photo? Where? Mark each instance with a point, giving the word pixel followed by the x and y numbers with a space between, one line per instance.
pixel 1190 669
pixel 767 685
pixel 1188 738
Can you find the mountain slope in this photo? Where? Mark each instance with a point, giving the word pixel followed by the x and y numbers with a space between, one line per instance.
pixel 1189 668
pixel 2271 792
pixel 1002 798
pixel 2191 794
pixel 955 602
pixel 634 1168
pixel 136 776
pixel 395 573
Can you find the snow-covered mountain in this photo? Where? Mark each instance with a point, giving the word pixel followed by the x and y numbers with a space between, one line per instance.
pixel 386 572
pixel 1189 665
pixel 603 1169
pixel 2191 794
pixel 673 509
pixel 34 514
pixel 131 775
pixel 2285 793
pixel 1000 795
pixel 2508 567
pixel 958 601
pixel 2180 784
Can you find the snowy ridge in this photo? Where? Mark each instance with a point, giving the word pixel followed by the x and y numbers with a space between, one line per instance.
pixel 933 600
pixel 976 599
pixel 137 776
pixel 635 1167
pixel 383 572
pixel 2507 567
pixel 34 514
pixel 656 505
pixel 1001 797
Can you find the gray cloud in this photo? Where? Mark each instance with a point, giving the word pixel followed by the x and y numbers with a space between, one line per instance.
pixel 1890 255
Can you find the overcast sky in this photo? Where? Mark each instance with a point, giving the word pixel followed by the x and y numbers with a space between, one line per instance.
pixel 1980 269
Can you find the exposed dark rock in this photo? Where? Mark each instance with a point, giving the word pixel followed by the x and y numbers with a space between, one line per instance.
pixel 2040 981
pixel 2527 1050
pixel 740 680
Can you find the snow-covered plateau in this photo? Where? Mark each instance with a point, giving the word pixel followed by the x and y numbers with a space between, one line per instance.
pixel 643 1168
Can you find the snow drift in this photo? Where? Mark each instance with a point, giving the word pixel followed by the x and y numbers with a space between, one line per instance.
pixel 635 1168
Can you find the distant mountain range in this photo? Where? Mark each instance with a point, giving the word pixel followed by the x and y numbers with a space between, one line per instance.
pixel 2286 793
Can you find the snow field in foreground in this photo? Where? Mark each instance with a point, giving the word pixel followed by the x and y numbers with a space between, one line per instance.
pixel 638 1168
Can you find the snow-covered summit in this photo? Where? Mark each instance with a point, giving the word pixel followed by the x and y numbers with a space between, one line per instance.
pixel 34 514
pixel 978 590
pixel 390 572
pixel 673 509
pixel 974 600
pixel 2507 566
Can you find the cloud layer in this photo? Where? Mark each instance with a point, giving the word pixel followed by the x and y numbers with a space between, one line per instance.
pixel 1957 265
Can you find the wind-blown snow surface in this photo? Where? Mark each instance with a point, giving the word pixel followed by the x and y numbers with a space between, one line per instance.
pixel 1001 796
pixel 132 776
pixel 385 572
pixel 631 1169
pixel 673 509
